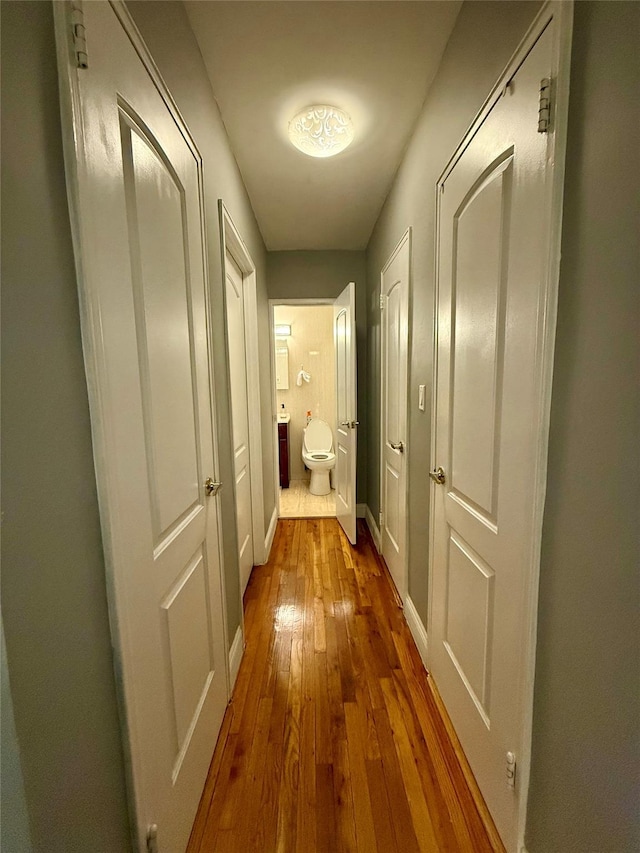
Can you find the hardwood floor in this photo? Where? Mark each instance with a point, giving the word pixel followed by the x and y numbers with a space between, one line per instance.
pixel 334 740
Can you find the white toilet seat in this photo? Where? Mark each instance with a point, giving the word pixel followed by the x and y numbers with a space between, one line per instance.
pixel 319 458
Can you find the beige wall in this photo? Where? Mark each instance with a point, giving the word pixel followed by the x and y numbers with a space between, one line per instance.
pixel 311 345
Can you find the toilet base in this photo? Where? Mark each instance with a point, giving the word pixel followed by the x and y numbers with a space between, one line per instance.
pixel 319 484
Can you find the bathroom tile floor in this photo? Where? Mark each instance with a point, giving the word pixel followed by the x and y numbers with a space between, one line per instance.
pixel 298 502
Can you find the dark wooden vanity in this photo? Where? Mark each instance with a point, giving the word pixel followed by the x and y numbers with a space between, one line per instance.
pixel 283 453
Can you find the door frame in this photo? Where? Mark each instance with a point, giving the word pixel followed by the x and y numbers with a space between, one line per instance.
pixel 273 303
pixel 94 365
pixel 232 242
pixel 405 239
pixel 561 13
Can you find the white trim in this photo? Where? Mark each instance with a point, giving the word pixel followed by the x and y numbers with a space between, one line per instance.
pixel 406 237
pixel 556 154
pixel 320 300
pixel 271 532
pixel 562 12
pixel 235 659
pixel 232 242
pixel 373 528
pixel 417 628
pixel 361 510
pixel 274 407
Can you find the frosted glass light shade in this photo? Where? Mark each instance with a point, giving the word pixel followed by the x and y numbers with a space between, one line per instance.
pixel 321 130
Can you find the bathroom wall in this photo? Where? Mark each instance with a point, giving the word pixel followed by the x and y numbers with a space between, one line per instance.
pixel 311 345
pixel 318 274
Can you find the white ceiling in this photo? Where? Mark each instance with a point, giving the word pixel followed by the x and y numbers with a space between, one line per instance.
pixel 268 59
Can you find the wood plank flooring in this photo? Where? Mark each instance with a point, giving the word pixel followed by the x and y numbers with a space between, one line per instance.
pixel 334 740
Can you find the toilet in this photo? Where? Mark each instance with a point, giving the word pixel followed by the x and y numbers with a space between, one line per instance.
pixel 317 455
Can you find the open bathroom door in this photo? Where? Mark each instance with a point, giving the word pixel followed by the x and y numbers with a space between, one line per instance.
pixel 344 335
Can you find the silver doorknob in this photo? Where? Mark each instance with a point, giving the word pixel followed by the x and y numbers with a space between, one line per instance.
pixel 354 424
pixel 345 423
pixel 211 487
pixel 399 446
pixel 438 476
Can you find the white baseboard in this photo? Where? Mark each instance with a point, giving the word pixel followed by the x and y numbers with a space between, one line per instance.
pixel 373 528
pixel 235 657
pixel 361 510
pixel 271 532
pixel 418 631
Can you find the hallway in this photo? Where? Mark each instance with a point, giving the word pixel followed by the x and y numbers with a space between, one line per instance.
pixel 333 740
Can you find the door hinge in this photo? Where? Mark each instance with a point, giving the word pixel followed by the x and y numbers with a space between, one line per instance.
pixel 511 770
pixel 152 838
pixel 79 36
pixel 544 107
pixel 381 301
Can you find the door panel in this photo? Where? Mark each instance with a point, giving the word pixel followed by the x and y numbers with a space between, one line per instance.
pixel 480 247
pixel 155 215
pixel 394 325
pixel 240 415
pixel 189 641
pixel 469 619
pixel 393 414
pixel 138 213
pixel 491 255
pixel 344 326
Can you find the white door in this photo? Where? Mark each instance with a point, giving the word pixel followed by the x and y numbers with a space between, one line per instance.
pixel 239 415
pixel 492 261
pixel 344 333
pixel 394 323
pixel 135 192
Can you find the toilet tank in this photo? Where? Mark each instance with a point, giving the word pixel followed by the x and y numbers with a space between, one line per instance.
pixel 318 436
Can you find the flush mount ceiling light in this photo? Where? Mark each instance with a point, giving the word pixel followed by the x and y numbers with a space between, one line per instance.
pixel 321 130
